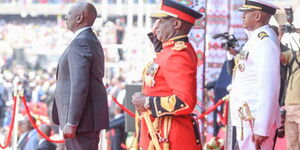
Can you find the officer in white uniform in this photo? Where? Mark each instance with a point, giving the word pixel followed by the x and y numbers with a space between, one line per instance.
pixel 256 80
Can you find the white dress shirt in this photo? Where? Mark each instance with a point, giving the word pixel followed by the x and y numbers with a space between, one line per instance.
pixel 79 31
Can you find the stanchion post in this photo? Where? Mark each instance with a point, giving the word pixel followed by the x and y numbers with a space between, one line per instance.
pixel 229 132
pixel 17 92
pixel 103 140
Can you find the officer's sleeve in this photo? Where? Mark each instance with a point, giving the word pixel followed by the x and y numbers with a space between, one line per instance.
pixel 180 74
pixel 156 43
pixel 266 60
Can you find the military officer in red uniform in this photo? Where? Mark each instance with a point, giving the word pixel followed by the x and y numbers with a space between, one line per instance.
pixel 169 88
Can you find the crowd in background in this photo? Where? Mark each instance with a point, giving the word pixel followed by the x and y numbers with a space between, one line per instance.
pixel 69 1
pixel 24 47
pixel 18 42
pixel 39 88
pixel 29 54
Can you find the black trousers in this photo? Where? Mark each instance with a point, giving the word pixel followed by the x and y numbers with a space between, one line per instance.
pixel 84 141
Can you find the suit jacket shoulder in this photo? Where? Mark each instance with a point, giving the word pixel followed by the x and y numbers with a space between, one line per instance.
pixel 46 145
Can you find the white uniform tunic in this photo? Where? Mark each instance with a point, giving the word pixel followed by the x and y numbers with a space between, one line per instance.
pixel 256 82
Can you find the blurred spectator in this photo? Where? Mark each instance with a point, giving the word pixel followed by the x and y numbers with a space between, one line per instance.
pixel 3 99
pixel 23 136
pixel 21 130
pixel 291 59
pixel 28 140
pixel 61 146
pixel 120 31
pixel 43 143
pixel 116 89
pixel 70 1
pixel 50 96
pixel 117 129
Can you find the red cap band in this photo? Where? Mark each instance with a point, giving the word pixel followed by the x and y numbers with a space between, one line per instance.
pixel 181 15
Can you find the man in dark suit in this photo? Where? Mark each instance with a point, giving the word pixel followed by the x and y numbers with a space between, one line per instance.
pixel 24 127
pixel 29 139
pixel 43 143
pixel 80 105
pixel 117 129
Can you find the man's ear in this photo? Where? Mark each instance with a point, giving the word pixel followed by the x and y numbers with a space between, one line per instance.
pixel 177 24
pixel 258 16
pixel 79 18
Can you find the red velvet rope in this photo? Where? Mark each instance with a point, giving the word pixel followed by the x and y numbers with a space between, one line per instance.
pixel 11 126
pixel 224 116
pixel 223 120
pixel 35 126
pixel 199 117
pixel 213 101
pixel 123 107
pixel 220 102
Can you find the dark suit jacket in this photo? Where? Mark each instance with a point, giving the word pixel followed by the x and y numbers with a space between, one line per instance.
pixel 80 96
pixel 22 141
pixel 46 145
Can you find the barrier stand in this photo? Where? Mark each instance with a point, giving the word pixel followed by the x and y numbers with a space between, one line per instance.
pixel 103 139
pixel 17 91
pixel 8 137
pixel 33 123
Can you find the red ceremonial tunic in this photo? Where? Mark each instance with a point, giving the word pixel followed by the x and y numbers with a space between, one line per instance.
pixel 173 93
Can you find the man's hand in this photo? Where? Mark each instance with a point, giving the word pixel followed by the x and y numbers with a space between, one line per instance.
pixel 155 27
pixel 283 59
pixel 258 140
pixel 233 51
pixel 280 32
pixel 69 131
pixel 138 100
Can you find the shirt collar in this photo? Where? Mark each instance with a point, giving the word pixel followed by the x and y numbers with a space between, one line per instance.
pixel 118 116
pixel 79 31
pixel 33 131
pixel 41 141
pixel 173 40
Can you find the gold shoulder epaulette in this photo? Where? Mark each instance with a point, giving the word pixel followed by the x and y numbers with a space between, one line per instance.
pixel 261 35
pixel 179 45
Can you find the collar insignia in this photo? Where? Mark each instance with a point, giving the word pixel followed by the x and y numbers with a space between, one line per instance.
pixel 179 45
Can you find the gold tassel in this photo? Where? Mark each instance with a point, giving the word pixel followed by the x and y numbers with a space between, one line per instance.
pixel 152 130
pixel 151 146
pixel 166 146
pixel 135 144
pixel 167 128
pixel 155 126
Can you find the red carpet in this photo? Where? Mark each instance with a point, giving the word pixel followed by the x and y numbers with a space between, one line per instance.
pixel 280 144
